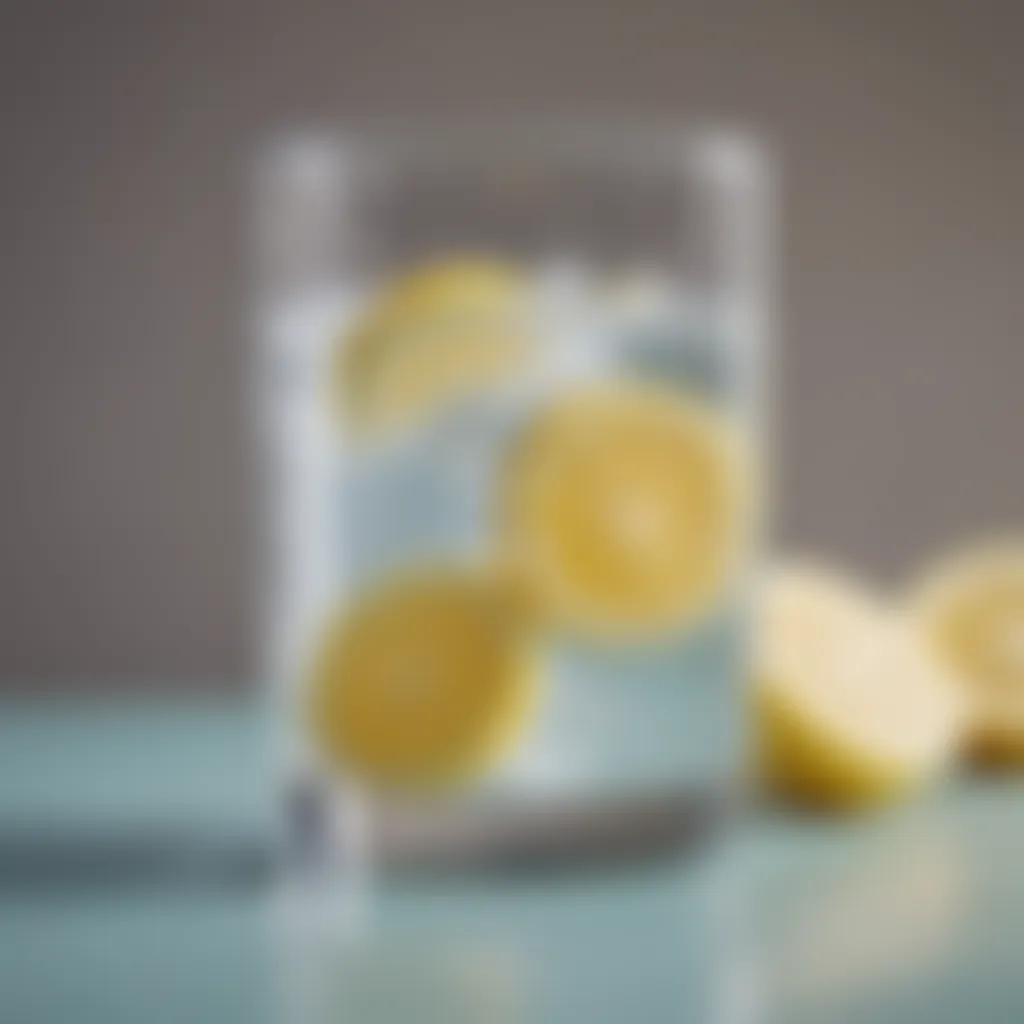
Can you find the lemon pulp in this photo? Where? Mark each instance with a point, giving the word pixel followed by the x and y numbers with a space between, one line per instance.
pixel 424 682
pixel 623 509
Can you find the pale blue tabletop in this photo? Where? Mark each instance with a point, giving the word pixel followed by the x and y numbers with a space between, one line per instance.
pixel 916 915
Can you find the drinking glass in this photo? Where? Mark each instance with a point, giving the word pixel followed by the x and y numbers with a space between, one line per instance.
pixel 511 385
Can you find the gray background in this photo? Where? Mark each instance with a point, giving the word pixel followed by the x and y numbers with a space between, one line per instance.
pixel 125 518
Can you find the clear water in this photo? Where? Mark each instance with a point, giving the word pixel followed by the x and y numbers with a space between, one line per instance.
pixel 631 722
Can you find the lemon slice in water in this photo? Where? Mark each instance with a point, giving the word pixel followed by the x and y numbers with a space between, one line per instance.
pixel 442 332
pixel 624 507
pixel 426 681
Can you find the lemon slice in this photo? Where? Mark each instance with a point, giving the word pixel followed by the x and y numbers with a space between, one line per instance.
pixel 850 707
pixel 624 507
pixel 426 681
pixel 971 610
pixel 442 332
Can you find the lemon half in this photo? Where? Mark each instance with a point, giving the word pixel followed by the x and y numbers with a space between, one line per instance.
pixel 624 506
pixel 438 334
pixel 427 681
pixel 971 610
pixel 850 707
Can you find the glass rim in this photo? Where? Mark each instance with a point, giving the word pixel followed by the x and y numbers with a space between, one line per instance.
pixel 554 140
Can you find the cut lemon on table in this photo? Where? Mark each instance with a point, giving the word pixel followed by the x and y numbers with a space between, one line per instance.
pixel 426 681
pixel 851 709
pixel 624 510
pixel 437 335
pixel 971 610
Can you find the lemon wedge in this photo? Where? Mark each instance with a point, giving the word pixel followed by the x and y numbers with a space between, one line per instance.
pixel 971 610
pixel 427 681
pixel 624 507
pixel 850 708
pixel 435 336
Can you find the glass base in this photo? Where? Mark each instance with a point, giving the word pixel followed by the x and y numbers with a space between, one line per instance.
pixel 331 831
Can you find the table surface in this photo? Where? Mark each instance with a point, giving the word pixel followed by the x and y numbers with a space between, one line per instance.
pixel 913 915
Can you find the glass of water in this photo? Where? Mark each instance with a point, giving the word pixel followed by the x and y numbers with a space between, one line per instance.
pixel 511 389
